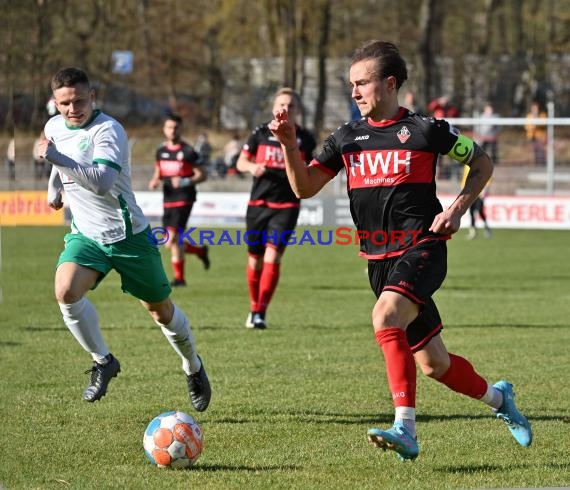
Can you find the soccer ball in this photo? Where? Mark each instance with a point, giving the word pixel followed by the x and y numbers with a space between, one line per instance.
pixel 173 440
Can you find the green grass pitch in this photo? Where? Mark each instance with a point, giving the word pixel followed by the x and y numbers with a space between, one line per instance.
pixel 291 405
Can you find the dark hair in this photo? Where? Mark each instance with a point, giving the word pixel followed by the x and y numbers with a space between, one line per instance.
pixel 173 117
pixel 387 57
pixel 69 77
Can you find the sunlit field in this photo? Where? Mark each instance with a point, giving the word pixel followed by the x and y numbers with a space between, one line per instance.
pixel 291 405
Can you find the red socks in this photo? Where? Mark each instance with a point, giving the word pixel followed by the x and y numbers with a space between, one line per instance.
pixel 462 378
pixel 401 370
pixel 268 283
pixel 253 277
pixel 262 284
pixel 178 267
pixel 400 365
pixel 193 249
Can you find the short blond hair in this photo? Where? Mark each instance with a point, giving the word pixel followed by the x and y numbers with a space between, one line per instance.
pixel 288 91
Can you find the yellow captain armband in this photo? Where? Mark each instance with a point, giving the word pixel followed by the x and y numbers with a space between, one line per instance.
pixel 462 150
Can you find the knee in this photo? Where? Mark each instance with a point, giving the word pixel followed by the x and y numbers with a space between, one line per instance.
pixel 64 294
pixel 384 316
pixel 435 368
pixel 272 255
pixel 161 312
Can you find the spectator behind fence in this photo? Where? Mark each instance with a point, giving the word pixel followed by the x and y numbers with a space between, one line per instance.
pixel 410 103
pixel 536 133
pixel 232 150
pixel 486 133
pixel 204 149
pixel 11 160
pixel 42 168
pixel 442 108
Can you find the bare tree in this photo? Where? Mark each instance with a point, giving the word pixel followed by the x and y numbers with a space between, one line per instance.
pixel 323 52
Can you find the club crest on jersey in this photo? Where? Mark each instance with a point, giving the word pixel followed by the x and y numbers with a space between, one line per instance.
pixel 180 156
pixel 403 134
pixel 83 143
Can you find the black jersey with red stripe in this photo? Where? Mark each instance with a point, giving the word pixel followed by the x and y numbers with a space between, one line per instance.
pixel 177 160
pixel 272 189
pixel 390 168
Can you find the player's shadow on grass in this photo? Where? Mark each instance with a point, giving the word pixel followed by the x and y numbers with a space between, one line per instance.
pixel 505 325
pixel 9 343
pixel 470 469
pixel 486 288
pixel 42 328
pixel 316 417
pixel 485 468
pixel 343 288
pixel 204 467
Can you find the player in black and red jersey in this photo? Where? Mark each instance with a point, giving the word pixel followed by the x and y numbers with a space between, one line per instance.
pixel 273 208
pixel 179 168
pixel 390 157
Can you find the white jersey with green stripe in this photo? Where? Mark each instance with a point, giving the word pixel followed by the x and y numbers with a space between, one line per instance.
pixel 115 215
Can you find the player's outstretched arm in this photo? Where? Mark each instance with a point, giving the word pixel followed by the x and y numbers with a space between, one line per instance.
pixel 305 181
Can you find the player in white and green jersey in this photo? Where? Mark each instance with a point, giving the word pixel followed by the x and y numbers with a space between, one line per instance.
pixel 90 155
pixel 103 203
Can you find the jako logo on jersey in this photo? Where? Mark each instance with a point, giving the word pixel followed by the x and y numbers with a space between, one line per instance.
pixel 404 134
pixel 359 138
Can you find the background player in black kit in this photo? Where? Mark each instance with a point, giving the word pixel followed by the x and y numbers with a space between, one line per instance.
pixel 390 158
pixel 179 168
pixel 273 208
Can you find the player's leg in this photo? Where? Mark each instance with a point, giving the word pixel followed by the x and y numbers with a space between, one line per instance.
pixel 391 314
pixel 253 275
pixel 174 220
pixel 81 266
pixel 458 374
pixel 256 221
pixel 176 328
pixel 269 278
pixel 278 232
pixel 483 215
pixel 201 251
pixel 472 229
pixel 139 264
pixel 403 285
pixel 176 257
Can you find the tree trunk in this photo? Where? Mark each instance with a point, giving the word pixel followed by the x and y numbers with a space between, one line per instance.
pixel 322 51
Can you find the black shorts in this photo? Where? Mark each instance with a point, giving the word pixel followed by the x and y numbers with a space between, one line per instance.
pixel 268 226
pixel 417 274
pixel 176 217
